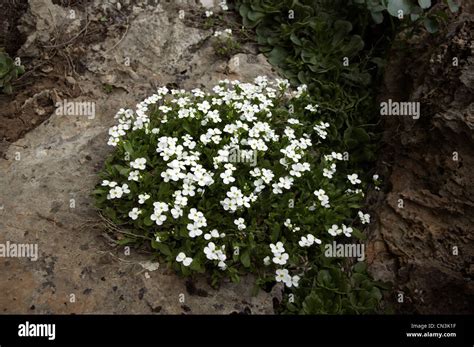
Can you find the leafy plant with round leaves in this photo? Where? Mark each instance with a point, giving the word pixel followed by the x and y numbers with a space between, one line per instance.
pixel 9 71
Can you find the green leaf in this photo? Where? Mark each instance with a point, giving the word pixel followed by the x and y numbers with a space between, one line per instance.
pixel 255 16
pixel 245 258
pixel 394 6
pixel 377 17
pixel 7 89
pixel 187 127
pixel 163 248
pixel 277 56
pixel 295 39
pixel 147 221
pixel 196 265
pixel 424 3
pixel 360 267
pixel 275 232
pixel 431 25
pixel 453 5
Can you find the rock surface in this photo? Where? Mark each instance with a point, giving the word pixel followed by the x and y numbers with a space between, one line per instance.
pixel 423 240
pixel 48 175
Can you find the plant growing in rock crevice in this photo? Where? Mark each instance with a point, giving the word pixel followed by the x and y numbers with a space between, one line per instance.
pixel 239 180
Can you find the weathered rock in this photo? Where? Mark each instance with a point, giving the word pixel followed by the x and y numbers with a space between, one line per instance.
pixel 423 238
pixel 45 23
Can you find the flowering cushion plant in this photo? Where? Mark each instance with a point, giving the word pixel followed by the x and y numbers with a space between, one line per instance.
pixel 239 179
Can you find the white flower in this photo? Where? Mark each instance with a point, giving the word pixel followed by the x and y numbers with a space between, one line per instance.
pixel 282 276
pixel 115 193
pixel 320 129
pixel 329 172
pixel 134 213
pixel 240 223
pixel 334 230
pixel 163 91
pixel 160 207
pixel 187 261
pixel 308 240
pixel 294 281
pixel 134 175
pixel 204 106
pixel 312 108
pixel 277 248
pixel 223 5
pixel 139 164
pixel 142 198
pixel 188 190
pixel 280 259
pixel 354 179
pixel 182 258
pixel 158 218
pixel 214 253
pixel 176 212
pixel 194 230
pixel 322 197
pixel 266 261
pixel 125 188
pixel 347 231
pixel 375 177
pixel 364 218
pixel 209 13
pixel 213 234
pixel 227 177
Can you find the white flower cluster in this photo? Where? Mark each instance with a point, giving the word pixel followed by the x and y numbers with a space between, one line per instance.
pixel 336 230
pixel 212 252
pixel 224 33
pixel 158 216
pixel 279 255
pixel 223 5
pixel 364 217
pixel 117 191
pixel 118 131
pixel 190 141
pixel 322 197
pixel 182 258
pixel 290 226
pixel 354 179
pixel 199 221
pixel 236 200
pixel 282 275
pixel 309 240
pixel 321 129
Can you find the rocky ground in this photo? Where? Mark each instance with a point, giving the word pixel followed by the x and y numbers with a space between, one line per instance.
pixel 49 164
